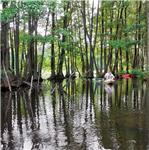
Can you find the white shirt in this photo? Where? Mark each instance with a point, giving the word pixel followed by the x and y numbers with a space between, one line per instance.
pixel 109 75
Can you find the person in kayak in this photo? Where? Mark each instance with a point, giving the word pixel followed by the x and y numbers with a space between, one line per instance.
pixel 109 75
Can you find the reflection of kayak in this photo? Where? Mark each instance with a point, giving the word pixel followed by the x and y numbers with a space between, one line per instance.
pixel 109 81
pixel 108 89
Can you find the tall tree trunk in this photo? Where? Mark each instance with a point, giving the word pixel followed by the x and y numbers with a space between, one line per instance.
pixel 43 46
pixel 52 46
pixel 105 40
pixel 31 53
pixel 115 68
pixel 4 41
pixel 12 50
pixel 147 34
pixel 62 54
pixel 111 32
pixel 31 47
pixel 85 36
pixel 35 50
pixel 101 39
pixel 95 38
pixel 120 36
pixel 139 34
pixel 17 43
pixel 127 54
pixel 81 52
pixel 23 55
pixel 90 41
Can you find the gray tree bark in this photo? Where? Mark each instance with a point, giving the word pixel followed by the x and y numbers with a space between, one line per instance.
pixel 147 34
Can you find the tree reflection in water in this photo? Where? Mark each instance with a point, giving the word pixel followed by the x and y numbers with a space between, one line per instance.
pixel 77 114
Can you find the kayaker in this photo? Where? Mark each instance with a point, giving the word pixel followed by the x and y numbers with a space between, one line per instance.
pixel 109 75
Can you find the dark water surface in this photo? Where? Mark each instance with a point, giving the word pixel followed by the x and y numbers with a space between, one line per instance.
pixel 77 115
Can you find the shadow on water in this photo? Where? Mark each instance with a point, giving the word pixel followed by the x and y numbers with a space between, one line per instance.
pixel 77 114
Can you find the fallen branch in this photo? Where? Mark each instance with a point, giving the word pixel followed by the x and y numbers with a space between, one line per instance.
pixel 31 86
pixel 27 83
pixel 52 91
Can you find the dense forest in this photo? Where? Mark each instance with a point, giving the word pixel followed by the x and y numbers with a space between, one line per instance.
pixel 65 39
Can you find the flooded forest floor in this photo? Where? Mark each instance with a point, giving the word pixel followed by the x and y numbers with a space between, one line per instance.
pixel 77 114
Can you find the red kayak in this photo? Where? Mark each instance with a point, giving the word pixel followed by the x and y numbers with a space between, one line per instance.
pixel 127 76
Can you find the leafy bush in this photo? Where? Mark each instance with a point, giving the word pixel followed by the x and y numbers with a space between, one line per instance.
pixel 122 72
pixel 137 73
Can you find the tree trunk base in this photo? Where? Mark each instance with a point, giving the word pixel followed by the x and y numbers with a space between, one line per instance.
pixel 57 78
pixel 72 76
pixel 14 82
pixel 61 77
pixel 9 80
pixel 99 75
pixel 88 77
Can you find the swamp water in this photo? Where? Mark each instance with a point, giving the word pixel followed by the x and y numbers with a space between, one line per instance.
pixel 77 115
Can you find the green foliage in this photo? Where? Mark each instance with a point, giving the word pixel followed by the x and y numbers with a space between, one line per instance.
pixel 117 29
pixel 137 73
pixel 25 37
pixel 133 27
pixel 117 43
pixel 46 63
pixel 61 31
pixel 8 13
pixel 122 72
pixel 33 7
pixel 42 39
pixel 124 44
